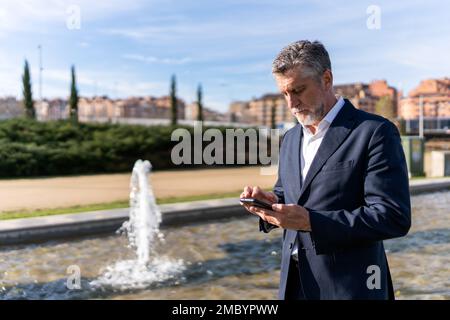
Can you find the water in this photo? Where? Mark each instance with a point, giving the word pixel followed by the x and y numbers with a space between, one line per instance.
pixel 229 259
pixel 143 226
pixel 143 234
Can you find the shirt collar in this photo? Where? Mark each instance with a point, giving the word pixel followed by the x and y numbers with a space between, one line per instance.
pixel 329 117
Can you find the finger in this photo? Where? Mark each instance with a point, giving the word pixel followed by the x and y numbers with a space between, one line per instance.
pixel 247 207
pixel 247 192
pixel 257 192
pixel 253 210
pixel 277 207
pixel 267 215
pixel 271 197
pixel 260 214
pixel 273 220
pixel 265 212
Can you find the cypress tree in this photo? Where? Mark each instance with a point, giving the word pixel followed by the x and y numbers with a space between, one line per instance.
pixel 199 103
pixel 27 93
pixel 73 100
pixel 173 101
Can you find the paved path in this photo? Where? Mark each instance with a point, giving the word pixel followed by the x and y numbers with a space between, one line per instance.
pixel 61 192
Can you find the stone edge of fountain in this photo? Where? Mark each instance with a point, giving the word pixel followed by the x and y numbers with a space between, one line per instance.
pixel 40 229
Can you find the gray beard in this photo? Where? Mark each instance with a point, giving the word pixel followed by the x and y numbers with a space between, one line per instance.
pixel 316 117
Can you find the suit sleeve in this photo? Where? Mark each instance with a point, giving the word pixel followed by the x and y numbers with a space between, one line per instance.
pixel 387 210
pixel 264 226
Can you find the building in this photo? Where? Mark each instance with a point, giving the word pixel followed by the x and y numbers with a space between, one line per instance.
pixel 239 112
pixel 54 109
pixel 10 107
pixel 98 109
pixel 104 109
pixel 191 113
pixel 374 97
pixel 261 110
pixel 435 95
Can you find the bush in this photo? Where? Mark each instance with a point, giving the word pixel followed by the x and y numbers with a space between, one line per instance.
pixel 31 148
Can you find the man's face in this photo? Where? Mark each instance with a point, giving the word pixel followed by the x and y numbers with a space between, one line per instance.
pixel 304 95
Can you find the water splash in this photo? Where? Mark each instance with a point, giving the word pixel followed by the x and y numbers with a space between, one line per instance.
pixel 145 216
pixel 129 274
pixel 143 233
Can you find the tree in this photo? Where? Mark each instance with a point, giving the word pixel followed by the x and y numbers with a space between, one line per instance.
pixel 199 103
pixel 73 100
pixel 27 93
pixel 385 107
pixel 273 123
pixel 173 100
pixel 401 125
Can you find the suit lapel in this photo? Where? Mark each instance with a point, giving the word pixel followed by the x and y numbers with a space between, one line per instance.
pixel 294 161
pixel 336 134
pixel 293 186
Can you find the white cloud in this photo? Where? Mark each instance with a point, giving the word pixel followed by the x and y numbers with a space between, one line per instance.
pixel 258 67
pixel 27 15
pixel 236 25
pixel 235 44
pixel 152 59
pixel 56 83
pixel 429 56
pixel 112 83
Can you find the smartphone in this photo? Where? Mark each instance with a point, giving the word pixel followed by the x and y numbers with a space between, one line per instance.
pixel 256 203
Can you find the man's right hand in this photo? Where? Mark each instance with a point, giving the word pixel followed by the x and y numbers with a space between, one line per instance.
pixel 257 193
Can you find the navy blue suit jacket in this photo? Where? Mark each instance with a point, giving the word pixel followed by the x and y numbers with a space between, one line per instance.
pixel 357 194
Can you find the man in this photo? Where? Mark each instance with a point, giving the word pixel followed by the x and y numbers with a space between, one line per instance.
pixel 342 187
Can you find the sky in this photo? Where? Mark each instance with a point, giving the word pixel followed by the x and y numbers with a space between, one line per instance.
pixel 131 48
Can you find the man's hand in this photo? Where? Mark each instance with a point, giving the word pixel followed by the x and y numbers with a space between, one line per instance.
pixel 287 216
pixel 258 193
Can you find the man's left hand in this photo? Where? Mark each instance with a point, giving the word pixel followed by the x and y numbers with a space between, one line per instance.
pixel 287 216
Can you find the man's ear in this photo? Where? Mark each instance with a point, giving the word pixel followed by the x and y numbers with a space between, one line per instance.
pixel 327 79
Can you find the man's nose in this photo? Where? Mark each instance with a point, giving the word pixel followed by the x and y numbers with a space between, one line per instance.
pixel 292 101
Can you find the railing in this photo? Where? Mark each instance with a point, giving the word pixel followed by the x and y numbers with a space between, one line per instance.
pixel 431 126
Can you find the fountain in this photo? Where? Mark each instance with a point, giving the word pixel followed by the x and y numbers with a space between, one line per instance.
pixel 145 217
pixel 143 233
pixel 221 259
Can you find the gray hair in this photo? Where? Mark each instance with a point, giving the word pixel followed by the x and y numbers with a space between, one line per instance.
pixel 311 55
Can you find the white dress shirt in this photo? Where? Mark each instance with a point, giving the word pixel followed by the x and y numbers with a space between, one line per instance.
pixel 311 143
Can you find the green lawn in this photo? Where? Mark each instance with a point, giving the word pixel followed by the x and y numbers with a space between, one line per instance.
pixel 112 205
